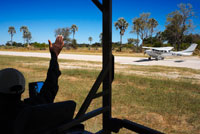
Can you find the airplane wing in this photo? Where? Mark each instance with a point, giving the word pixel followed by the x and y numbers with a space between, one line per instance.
pixel 159 48
pixel 147 47
pixel 163 48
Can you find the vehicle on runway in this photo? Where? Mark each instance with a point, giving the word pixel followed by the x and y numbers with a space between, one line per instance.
pixel 160 52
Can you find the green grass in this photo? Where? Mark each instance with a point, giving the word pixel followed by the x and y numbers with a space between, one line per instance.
pixel 168 105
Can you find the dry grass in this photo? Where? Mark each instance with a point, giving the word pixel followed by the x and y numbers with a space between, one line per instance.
pixel 169 104
pixel 160 72
pixel 82 51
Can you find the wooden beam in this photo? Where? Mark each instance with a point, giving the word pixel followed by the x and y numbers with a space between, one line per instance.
pixel 100 95
pixel 85 117
pixel 98 4
pixel 140 129
pixel 92 93
pixel 107 56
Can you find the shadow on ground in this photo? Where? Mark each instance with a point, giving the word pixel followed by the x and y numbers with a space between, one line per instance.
pixel 178 61
pixel 144 60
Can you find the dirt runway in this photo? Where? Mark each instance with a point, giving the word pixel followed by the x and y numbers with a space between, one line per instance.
pixel 188 62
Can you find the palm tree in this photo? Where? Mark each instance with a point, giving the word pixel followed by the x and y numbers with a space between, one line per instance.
pixel 24 29
pixel 74 28
pixel 122 25
pixel 90 39
pixel 11 31
pixel 28 37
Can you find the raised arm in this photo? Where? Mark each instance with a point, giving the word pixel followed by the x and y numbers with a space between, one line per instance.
pixel 50 87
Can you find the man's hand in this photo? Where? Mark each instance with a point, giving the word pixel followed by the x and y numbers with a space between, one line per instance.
pixel 57 46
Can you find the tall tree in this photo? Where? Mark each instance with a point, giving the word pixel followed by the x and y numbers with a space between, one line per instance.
pixel 90 40
pixel 161 36
pixel 11 31
pixel 24 29
pixel 136 29
pixel 28 37
pixel 141 26
pixel 152 23
pixel 73 29
pixel 65 32
pixel 122 25
pixel 179 23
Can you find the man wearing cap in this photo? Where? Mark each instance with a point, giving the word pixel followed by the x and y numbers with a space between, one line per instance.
pixel 12 85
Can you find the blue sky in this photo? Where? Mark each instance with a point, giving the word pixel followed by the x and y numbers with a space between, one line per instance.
pixel 44 16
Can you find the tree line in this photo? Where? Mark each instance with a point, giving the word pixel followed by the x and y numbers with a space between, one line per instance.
pixel 177 32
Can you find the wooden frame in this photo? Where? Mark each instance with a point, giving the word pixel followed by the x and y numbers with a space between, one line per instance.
pixel 106 77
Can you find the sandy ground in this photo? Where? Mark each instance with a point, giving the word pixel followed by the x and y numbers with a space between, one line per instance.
pixel 188 62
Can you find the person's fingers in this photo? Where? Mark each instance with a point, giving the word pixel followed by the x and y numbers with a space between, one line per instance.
pixel 50 44
pixel 57 39
pixel 61 41
pixel 62 36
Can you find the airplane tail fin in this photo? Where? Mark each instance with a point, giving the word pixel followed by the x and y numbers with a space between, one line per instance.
pixel 190 49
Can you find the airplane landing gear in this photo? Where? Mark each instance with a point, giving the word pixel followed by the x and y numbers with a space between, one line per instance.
pixel 149 58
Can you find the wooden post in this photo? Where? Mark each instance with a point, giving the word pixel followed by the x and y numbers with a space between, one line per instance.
pixel 107 56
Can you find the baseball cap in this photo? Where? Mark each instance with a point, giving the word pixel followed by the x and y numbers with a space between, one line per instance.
pixel 12 81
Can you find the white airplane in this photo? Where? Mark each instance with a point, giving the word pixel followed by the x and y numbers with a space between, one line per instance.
pixel 160 52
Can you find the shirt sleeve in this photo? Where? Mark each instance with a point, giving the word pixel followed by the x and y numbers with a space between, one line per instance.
pixel 50 87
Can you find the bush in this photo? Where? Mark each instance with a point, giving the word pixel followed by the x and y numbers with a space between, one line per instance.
pixel 83 45
pixel 41 46
pixel 184 46
pixel 17 44
pixel 8 43
pixel 198 42
pixel 167 45
pixel 148 45
pixel 157 44
pixel 74 44
pixel 128 46
pixel 115 44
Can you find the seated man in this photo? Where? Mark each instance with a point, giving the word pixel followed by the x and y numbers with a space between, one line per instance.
pixel 12 85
